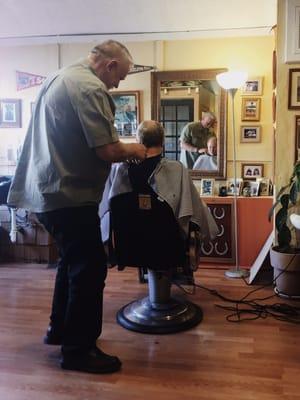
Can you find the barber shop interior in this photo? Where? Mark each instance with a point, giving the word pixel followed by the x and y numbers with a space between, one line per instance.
pixel 149 200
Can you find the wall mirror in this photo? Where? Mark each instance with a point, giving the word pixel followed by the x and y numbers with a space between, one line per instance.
pixel 180 97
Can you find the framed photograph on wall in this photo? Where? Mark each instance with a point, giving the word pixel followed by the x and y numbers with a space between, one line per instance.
pixel 294 89
pixel 207 187
pixel 252 87
pixel 250 134
pixel 292 29
pixel 252 170
pixel 127 116
pixel 10 113
pixel 297 138
pixel 250 109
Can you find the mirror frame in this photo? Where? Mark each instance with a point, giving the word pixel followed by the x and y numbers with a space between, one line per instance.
pixel 187 75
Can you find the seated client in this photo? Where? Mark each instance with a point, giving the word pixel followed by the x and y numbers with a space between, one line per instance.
pixel 169 179
pixel 208 161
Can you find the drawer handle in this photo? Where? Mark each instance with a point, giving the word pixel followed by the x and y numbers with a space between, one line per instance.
pixel 221 253
pixel 222 215
pixel 207 253
pixel 221 233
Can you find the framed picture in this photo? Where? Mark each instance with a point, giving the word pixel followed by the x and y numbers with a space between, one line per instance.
pixel 252 87
pixel 297 138
pixel 250 109
pixel 207 187
pixel 264 186
pixel 292 24
pixel 10 113
pixel 127 116
pixel 250 134
pixel 294 89
pixel 250 188
pixel 234 188
pixel 252 171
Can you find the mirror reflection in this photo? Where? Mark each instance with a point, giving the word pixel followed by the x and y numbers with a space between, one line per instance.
pixel 191 107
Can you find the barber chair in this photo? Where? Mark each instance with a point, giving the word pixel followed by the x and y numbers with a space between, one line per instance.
pixel 145 234
pixel 5 183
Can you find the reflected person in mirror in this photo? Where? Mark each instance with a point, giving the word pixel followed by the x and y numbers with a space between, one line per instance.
pixel 208 161
pixel 193 139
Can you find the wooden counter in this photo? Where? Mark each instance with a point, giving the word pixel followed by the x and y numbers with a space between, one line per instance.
pixel 253 229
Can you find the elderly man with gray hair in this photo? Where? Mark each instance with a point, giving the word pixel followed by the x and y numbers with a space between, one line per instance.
pixel 193 139
pixel 67 154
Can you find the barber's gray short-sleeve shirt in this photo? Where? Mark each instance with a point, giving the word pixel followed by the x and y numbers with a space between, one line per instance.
pixel 58 167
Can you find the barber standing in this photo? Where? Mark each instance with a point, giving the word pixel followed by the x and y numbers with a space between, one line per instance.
pixel 66 158
pixel 193 139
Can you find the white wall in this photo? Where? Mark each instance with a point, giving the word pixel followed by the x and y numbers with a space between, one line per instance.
pixel 43 60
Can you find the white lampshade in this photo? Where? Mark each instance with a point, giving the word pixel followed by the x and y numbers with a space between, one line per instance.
pixel 232 79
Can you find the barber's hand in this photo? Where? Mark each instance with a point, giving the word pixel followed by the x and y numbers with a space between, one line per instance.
pixel 140 153
pixel 203 150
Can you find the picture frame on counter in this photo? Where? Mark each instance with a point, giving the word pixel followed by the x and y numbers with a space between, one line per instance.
pixel 10 113
pixel 250 188
pixel 264 186
pixel 207 187
pixel 234 186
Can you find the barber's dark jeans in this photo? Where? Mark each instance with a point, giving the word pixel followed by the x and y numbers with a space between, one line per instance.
pixel 78 293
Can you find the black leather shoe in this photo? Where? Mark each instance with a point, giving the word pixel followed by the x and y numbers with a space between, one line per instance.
pixel 52 337
pixel 95 361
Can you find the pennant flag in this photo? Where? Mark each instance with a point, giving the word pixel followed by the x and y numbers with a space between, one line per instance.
pixel 140 68
pixel 26 80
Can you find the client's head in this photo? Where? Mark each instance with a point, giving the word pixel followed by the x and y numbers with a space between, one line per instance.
pixel 150 134
pixel 212 146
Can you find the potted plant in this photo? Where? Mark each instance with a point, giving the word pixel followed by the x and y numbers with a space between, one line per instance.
pixel 285 256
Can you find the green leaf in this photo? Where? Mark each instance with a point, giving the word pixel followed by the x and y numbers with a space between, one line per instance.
pixel 281 218
pixel 284 236
pixel 294 193
pixel 285 198
pixel 297 169
pixel 270 215
pixel 281 191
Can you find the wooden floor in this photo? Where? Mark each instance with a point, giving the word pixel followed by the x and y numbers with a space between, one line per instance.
pixel 216 360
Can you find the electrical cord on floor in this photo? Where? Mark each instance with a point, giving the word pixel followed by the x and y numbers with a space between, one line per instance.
pixel 252 309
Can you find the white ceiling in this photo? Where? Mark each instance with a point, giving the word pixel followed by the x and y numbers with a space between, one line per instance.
pixel 48 21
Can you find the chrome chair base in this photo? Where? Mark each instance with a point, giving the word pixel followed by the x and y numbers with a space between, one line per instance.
pixel 158 318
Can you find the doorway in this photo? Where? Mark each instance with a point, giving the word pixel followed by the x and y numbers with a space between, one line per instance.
pixel 174 115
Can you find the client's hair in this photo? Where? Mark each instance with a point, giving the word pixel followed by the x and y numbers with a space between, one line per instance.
pixel 151 134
